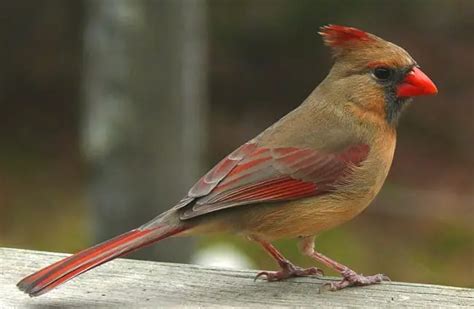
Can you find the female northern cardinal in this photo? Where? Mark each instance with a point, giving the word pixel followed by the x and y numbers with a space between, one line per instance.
pixel 314 169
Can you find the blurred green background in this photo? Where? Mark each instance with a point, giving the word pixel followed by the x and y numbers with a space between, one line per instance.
pixel 248 64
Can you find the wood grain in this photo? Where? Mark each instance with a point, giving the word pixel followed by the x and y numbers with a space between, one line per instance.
pixel 141 284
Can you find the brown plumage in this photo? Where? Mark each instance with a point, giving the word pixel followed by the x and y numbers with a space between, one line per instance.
pixel 317 167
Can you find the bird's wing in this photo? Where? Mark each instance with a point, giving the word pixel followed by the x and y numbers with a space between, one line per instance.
pixel 253 174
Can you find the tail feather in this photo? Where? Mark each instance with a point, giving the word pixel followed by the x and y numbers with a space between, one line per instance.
pixel 56 274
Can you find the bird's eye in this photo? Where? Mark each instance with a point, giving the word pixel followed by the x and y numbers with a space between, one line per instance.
pixel 382 73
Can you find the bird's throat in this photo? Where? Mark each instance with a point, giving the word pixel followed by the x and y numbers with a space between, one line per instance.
pixel 394 107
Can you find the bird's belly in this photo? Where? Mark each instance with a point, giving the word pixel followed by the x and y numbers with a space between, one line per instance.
pixel 300 218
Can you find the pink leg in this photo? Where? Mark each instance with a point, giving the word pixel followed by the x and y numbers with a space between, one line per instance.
pixel 288 269
pixel 349 277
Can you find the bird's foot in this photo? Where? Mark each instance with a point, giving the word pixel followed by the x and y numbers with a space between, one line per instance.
pixel 351 278
pixel 289 270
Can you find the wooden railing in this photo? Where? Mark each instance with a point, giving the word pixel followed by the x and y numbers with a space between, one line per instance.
pixel 137 284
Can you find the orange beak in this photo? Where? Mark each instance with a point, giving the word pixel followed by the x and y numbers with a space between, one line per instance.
pixel 416 83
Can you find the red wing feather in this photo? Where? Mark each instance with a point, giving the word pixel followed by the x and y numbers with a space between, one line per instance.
pixel 254 174
pixel 221 170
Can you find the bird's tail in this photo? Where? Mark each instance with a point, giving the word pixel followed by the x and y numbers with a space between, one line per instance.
pixel 56 274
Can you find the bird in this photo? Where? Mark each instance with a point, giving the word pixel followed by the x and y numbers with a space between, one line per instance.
pixel 317 167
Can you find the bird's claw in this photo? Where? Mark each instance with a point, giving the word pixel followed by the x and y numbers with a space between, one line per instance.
pixel 262 273
pixel 288 272
pixel 351 278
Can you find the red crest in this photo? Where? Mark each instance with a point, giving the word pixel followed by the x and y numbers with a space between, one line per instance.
pixel 336 36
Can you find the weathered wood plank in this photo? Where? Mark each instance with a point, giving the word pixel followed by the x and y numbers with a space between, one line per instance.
pixel 130 283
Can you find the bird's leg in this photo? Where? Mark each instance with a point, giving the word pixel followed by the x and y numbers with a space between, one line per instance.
pixel 288 269
pixel 349 277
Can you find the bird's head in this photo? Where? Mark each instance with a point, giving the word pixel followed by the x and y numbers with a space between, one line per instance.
pixel 379 77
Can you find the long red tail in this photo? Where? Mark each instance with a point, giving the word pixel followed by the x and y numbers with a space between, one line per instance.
pixel 56 274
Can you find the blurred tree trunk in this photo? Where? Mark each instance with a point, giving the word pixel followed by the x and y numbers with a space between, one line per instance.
pixel 144 112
